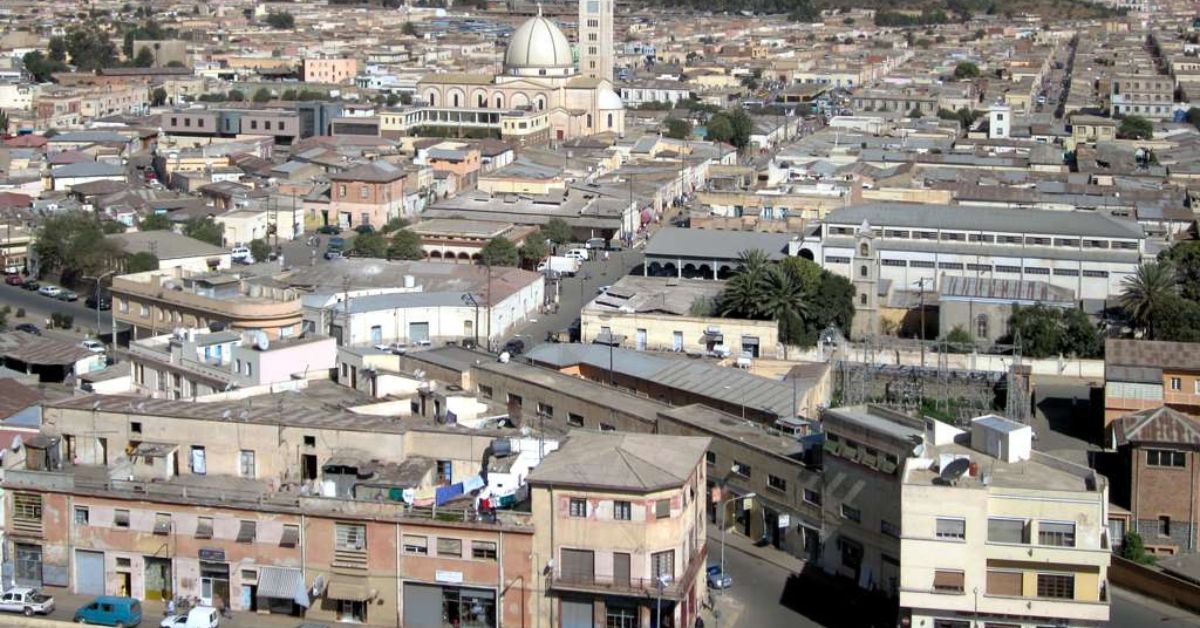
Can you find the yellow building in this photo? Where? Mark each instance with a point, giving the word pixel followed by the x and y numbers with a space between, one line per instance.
pixel 1008 536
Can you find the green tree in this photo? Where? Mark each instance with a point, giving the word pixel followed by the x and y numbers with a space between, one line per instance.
pixel 1135 128
pixel 288 94
pixel 1133 548
pixel 281 20
pixel 89 48
pixel 373 244
pixel 144 58
pixel 42 67
pixel 1045 331
pixel 262 95
pixel 720 129
pixel 155 222
pixel 1145 291
pixel 533 249
pixel 57 50
pixel 236 95
pixel 915 112
pixel 158 97
pixel 260 250
pixel 1184 256
pixel 1176 319
pixel 499 251
pixel 958 340
pixel 406 244
pixel 111 226
pixel 141 262
pixel 395 224
pixel 557 231
pixel 206 230
pixel 785 300
pixel 678 129
pixel 966 70
pixel 409 29
pixel 1193 116
pixel 744 291
pixel 74 244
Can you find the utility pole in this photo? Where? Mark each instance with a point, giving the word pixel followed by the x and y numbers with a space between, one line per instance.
pixel 346 310
pixel 488 297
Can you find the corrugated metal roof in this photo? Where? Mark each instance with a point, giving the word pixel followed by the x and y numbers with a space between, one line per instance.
pixel 1152 353
pixel 1157 425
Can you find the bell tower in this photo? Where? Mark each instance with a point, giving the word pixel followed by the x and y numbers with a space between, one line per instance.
pixel 596 38
pixel 865 269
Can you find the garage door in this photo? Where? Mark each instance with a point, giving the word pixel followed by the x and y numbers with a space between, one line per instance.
pixel 422 606
pixel 418 333
pixel 89 573
pixel 576 614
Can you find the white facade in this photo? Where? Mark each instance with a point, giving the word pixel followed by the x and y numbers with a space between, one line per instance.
pixel 17 96
pixel 596 38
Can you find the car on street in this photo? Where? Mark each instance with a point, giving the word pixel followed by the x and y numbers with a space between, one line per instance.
pixel 330 230
pixel 717 579
pixel 29 328
pixel 198 617
pixel 13 279
pixel 67 295
pixel 49 291
pixel 332 255
pixel 31 285
pixel 95 346
pixel 108 610
pixel 27 601
pixel 98 303
pixel 364 229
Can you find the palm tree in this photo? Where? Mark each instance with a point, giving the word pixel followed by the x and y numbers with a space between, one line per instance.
pixel 1144 292
pixel 743 292
pixel 784 300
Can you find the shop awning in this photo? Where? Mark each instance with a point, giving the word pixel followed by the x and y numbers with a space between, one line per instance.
pixel 284 583
pixel 352 589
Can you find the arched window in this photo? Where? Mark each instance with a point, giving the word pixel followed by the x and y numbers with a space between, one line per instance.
pixel 862 271
pixel 499 101
pixel 455 100
pixel 610 120
pixel 864 250
pixel 589 120
pixel 432 99
pixel 862 299
pixel 981 326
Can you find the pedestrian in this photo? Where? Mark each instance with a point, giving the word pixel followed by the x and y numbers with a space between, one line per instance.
pixel 699 622
pixel 170 607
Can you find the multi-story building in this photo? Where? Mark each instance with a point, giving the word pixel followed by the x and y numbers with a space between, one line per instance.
pixel 14 247
pixel 282 124
pixel 621 530
pixel 596 38
pixel 912 244
pixel 995 533
pixel 1145 374
pixel 367 194
pixel 330 70
pixel 1145 95
pixel 156 302
pixel 1160 449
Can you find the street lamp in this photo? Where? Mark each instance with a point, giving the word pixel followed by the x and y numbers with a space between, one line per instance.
pixel 612 340
pixel 469 299
pixel 920 283
pixel 99 295
pixel 721 505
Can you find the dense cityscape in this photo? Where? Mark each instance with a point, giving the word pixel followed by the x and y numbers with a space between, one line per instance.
pixel 599 313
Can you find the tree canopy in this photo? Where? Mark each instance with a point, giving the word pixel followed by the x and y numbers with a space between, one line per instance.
pixel 499 251
pixel 371 244
pixel 155 222
pixel 732 126
pixel 260 250
pixel 262 95
pixel 141 262
pixel 533 249
pixel 1135 128
pixel 73 243
pixel 678 128
pixel 281 20
pixel 966 70
pixel 205 229
pixel 1043 331
pixel 406 244
pixel 557 231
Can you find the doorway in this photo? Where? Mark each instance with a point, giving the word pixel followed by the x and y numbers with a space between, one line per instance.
pixel 158 578
pixel 102 451
pixel 308 467
pixel 214 583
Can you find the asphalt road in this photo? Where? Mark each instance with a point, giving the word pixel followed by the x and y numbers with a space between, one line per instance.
pixel 38 308
pixel 754 599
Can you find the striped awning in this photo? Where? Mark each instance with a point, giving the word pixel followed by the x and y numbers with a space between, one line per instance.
pixel 348 588
pixel 285 583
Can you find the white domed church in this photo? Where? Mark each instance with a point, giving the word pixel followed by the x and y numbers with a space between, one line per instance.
pixel 540 75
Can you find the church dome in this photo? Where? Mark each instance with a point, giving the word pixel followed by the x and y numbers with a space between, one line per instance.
pixel 538 48
pixel 609 100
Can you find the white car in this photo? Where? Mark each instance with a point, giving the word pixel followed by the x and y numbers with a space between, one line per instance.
pixel 49 291
pixel 27 601
pixel 95 346
pixel 199 617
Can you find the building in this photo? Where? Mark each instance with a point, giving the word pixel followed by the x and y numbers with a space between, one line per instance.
pixel 983 307
pixel 912 244
pixel 994 533
pixel 596 38
pixel 1091 129
pixel 1146 95
pixel 367 194
pixel 330 70
pixel 461 240
pixel 1158 449
pixel 191 363
pixel 707 254
pixel 63 178
pixel 174 250
pixel 283 125
pixel 621 523
pixel 539 75
pixel 1145 374
pixel 14 247
pixel 155 302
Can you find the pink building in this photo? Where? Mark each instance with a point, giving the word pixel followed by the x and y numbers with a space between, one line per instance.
pixel 330 70
pixel 370 194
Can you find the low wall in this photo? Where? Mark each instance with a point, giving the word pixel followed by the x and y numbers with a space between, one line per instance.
pixel 891 356
pixel 1153 583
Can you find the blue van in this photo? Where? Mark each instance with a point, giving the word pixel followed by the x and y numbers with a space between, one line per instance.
pixel 122 612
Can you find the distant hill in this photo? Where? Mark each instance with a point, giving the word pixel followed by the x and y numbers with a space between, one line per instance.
pixel 915 12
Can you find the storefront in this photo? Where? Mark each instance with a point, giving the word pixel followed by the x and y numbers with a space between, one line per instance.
pixel 281 590
pixel 349 598
pixel 434 606
pixel 214 578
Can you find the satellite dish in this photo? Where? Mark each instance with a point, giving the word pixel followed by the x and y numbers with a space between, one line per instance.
pixel 955 469
pixel 261 342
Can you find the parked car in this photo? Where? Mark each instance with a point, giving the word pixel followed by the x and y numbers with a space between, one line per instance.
pixel 516 346
pixel 241 255
pixel 198 617
pixel 13 280
pixel 717 579
pixel 27 601
pixel 98 303
pixel 31 285
pixel 95 346
pixel 362 229
pixel 49 291
pixel 107 610
pixel 67 295
pixel 579 254
pixel 29 328
pixel 332 254
pixel 330 230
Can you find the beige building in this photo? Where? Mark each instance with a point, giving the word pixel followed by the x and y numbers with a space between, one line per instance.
pixel 620 522
pixel 330 70
pixel 997 534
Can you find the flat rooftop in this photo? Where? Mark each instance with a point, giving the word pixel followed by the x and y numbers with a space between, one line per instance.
pixel 1041 472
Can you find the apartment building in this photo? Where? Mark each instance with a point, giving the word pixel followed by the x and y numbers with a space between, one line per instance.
pixel 1159 448
pixel 298 512
pixel 330 70
pixel 1146 95
pixel 1146 374
pixel 996 534
pixel 284 125
pixel 155 302
pixel 621 523
pixel 368 194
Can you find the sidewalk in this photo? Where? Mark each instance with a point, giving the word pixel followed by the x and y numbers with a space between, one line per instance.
pixel 153 612
pixel 737 543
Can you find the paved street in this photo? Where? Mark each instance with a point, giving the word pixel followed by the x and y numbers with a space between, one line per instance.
pixel 758 589
pixel 38 308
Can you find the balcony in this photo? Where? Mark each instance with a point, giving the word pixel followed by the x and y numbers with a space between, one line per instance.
pixel 644 587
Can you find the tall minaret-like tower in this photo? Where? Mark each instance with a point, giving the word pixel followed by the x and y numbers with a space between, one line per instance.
pixel 596 38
